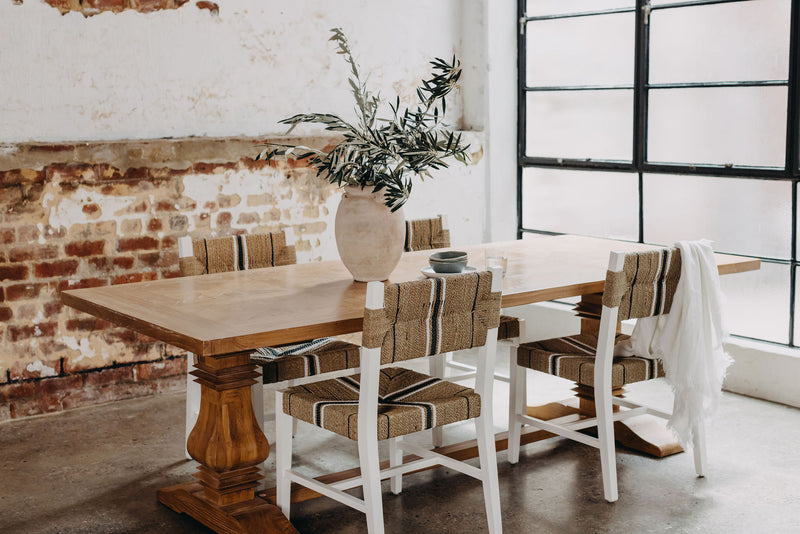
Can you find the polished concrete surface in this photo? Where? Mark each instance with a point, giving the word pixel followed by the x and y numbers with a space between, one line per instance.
pixel 97 469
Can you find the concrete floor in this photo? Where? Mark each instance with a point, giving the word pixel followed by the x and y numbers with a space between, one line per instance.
pixel 96 470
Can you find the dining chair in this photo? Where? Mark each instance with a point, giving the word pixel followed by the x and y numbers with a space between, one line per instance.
pixel 430 234
pixel 637 285
pixel 285 365
pixel 403 321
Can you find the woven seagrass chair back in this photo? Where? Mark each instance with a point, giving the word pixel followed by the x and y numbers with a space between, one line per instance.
pixel 432 316
pixel 646 285
pixel 427 234
pixel 237 253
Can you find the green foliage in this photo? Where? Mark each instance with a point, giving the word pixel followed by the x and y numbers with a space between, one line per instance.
pixel 383 153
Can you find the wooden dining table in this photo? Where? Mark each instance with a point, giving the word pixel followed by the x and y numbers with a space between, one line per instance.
pixel 223 317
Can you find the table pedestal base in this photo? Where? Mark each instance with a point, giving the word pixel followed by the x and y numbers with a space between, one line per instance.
pixel 255 515
pixel 643 433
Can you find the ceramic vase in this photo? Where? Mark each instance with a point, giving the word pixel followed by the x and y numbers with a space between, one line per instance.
pixel 368 235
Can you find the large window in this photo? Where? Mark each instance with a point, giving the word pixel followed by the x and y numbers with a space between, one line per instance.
pixel 656 121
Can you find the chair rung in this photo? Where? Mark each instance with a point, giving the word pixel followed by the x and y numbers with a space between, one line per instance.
pixel 328 491
pixel 459 365
pixel 565 432
pixel 634 405
pixel 446 461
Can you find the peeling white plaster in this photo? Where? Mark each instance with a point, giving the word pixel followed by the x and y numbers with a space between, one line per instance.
pixel 43 370
pixel 67 210
pixel 82 346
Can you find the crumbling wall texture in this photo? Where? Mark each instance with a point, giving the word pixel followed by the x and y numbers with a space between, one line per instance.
pixel 95 214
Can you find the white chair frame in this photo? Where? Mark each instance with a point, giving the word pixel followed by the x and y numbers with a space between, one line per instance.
pixel 568 426
pixel 371 474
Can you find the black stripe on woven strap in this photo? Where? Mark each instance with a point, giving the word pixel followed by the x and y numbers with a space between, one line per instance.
pixel 434 324
pixel 427 407
pixel 205 245
pixel 412 389
pixel 241 253
pixel 318 420
pixel 665 256
pixel 632 285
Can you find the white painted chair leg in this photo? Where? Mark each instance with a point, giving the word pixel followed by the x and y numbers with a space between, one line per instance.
pixel 605 436
pixel 370 476
pixel 488 460
pixel 294 426
pixel 699 449
pixel 516 404
pixel 283 455
pixel 395 460
pixel 436 366
pixel 192 398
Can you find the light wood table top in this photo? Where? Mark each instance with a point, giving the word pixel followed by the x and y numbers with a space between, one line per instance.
pixel 238 311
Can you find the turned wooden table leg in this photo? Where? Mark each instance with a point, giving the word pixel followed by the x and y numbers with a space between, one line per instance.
pixel 229 445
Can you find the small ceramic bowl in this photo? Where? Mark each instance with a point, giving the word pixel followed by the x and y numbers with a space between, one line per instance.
pixel 451 261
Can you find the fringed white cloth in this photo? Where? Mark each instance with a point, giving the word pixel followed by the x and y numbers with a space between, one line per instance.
pixel 689 340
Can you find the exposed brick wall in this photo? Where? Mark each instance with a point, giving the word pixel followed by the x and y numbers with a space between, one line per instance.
pixel 93 214
pixel 94 7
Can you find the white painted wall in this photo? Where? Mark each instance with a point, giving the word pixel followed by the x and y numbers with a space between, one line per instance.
pixel 186 72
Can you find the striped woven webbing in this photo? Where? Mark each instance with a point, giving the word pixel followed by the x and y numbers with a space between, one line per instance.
pixel 426 234
pixel 407 402
pixel 306 359
pixel 646 285
pixel 431 316
pixel 573 358
pixel 237 253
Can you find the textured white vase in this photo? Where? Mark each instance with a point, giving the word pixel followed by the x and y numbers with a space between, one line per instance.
pixel 368 235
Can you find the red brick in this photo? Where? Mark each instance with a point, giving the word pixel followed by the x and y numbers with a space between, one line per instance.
pixel 2 294
pixel 71 172
pixel 27 233
pixel 48 386
pixel 17 390
pixel 141 207
pixel 100 264
pixel 127 278
pixel 6 236
pixel 137 243
pixel 89 324
pixel 23 291
pixel 13 272
pixel 85 248
pixel 137 174
pixel 178 223
pixel 212 168
pixel 149 258
pixel 53 307
pixel 33 252
pixel 5 313
pixel 224 218
pixel 10 198
pixel 27 312
pixel 155 225
pixel 169 242
pixel 161 368
pixel 210 206
pixel 253 164
pixel 123 262
pixel 102 377
pixel 166 205
pixel 58 269
pixel 171 274
pixel 90 209
pixel 106 5
pixel 81 284
pixel 107 172
pixel 21 176
pixel 27 331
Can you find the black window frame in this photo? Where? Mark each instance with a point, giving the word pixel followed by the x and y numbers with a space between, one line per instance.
pixel 641 89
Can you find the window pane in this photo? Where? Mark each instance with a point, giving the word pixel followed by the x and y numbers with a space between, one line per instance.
pixel 580 124
pixel 727 125
pixel 723 42
pixel 758 302
pixel 535 8
pixel 593 203
pixel 595 50
pixel 743 216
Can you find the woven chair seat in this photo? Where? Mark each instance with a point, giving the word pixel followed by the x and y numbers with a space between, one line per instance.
pixel 407 402
pixel 573 358
pixel 333 356
pixel 509 327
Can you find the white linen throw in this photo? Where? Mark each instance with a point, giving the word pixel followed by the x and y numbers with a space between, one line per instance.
pixel 688 340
